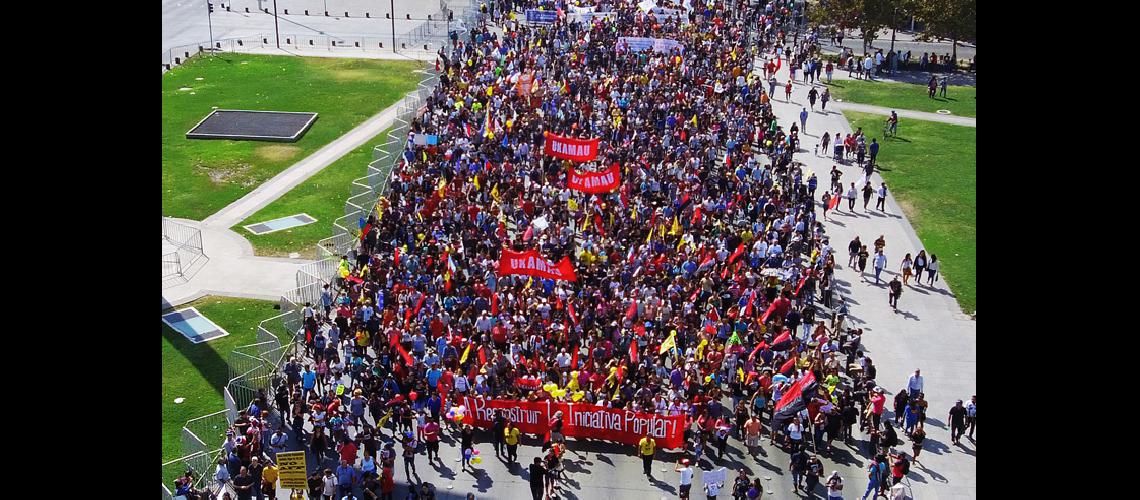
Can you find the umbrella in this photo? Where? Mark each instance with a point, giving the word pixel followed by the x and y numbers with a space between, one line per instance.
pixel 779 378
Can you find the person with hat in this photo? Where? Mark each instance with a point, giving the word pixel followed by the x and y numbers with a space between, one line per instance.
pixel 686 477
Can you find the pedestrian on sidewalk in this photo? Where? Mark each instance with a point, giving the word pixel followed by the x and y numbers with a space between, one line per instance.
pixel 852 193
pixel 895 288
pixel 511 437
pixel 813 94
pixel 971 417
pixel 880 263
pixel 882 203
pixel 788 91
pixel 824 142
pixel 823 99
pixel 874 150
pixel 686 478
pixel 645 448
pixel 932 270
pixel 537 476
pixel 803 119
pixel 797 464
pixel 906 267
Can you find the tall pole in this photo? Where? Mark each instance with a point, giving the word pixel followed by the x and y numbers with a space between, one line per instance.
pixel 392 5
pixel 210 23
pixel 276 29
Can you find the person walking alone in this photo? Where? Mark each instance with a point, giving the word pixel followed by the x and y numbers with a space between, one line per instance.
pixel 880 263
pixel 881 204
pixel 895 287
pixel 645 448
pixel 803 120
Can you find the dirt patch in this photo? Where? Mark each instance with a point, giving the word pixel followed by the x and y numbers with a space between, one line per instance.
pixel 229 173
pixel 354 75
pixel 277 152
pixel 907 208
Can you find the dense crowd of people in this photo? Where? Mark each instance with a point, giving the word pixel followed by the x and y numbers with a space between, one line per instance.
pixel 704 282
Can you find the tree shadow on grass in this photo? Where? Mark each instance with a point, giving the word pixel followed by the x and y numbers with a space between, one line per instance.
pixel 211 365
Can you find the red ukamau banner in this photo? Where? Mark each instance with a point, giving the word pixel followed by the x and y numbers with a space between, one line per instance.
pixel 531 263
pixel 569 148
pixel 580 421
pixel 595 182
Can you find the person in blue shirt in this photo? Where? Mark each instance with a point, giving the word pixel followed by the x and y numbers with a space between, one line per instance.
pixel 346 476
pixel 434 405
pixel 308 379
pixel 874 150
pixel 433 374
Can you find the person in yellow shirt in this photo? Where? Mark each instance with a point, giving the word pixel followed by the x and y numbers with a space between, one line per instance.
pixel 511 436
pixel 269 480
pixel 645 448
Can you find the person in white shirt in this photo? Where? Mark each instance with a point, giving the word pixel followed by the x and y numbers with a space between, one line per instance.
pixel 880 263
pixel 686 478
pixel 914 384
pixel 563 359
pixel 835 485
pixel 712 489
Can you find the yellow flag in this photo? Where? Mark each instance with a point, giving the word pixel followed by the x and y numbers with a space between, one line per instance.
pixel 463 359
pixel 661 231
pixel 701 349
pixel 680 242
pixel 384 420
pixel 669 343
pixel 495 192
pixel 475 180
pixel 676 227
pixel 633 214
pixel 694 120
pixel 571 205
pixel 616 389
pixel 740 373
pixel 585 224
pixel 649 237
pixel 528 282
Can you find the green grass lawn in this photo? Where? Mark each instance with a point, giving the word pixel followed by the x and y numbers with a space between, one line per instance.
pixel 960 100
pixel 198 372
pixel 321 196
pixel 932 171
pixel 199 177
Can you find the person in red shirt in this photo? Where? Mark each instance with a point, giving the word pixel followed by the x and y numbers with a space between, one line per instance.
pixel 387 485
pixel 431 437
pixel 348 450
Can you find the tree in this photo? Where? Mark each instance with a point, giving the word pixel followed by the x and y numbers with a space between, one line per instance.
pixel 867 16
pixel 953 19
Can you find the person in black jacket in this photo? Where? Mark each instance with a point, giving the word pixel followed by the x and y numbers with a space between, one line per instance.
pixel 537 475
pixel 497 432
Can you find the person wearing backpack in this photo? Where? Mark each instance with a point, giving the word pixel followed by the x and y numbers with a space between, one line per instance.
pixel 872 479
pixel 835 485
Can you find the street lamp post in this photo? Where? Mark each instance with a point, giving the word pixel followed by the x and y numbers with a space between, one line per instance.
pixel 210 23
pixel 276 29
pixel 392 5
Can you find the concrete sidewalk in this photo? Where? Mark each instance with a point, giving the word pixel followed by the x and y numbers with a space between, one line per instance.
pixel 281 183
pixel 929 331
pixel 232 270
pixel 964 121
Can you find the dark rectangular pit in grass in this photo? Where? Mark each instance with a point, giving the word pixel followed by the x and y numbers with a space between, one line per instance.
pixel 239 125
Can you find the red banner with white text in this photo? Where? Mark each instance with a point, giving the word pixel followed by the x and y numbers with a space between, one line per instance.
pixel 531 263
pixel 569 148
pixel 595 182
pixel 580 421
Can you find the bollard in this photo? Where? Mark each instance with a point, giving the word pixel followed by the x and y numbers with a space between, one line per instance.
pixel 367 15
pixel 357 43
pixel 247 10
pixel 381 44
pixel 264 40
pixel 429 17
pixel 167 66
pixel 346 14
pixel 187 55
pixel 409 16
pixel 228 9
pixel 306 12
pixel 403 45
pixel 240 44
pixel 310 41
pixel 387 15
pixel 287 40
pixel 177 60
pixel 218 44
pixel 286 12
pixel 426 47
pixel 326 13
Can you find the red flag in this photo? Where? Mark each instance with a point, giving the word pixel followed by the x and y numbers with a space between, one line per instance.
pixel 574 359
pixel 788 366
pixel 558 302
pixel 696 215
pixel 364 232
pixel 482 356
pixel 739 251
pixel 494 304
pixel 801 285
pixel 639 327
pixel 404 353
pixel 633 351
pixel 532 263
pixel 632 311
pixel 529 233
pixel 782 342
pixel 748 309
pixel 796 391
pixel 834 202
pixel 394 339
pixel 570 309
pixel 396 257
pixel 419 304
pixel 599 225
pixel 756 350
pixel 771 307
